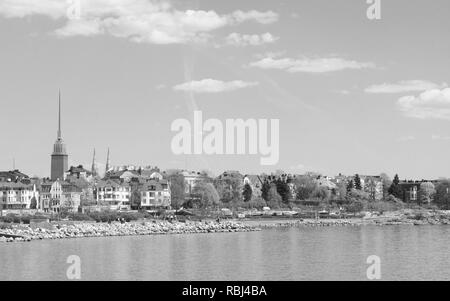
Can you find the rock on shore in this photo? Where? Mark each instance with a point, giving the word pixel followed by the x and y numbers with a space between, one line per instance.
pixel 127 229
pixel 401 217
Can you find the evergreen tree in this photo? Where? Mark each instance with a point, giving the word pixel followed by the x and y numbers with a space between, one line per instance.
pixel 395 188
pixel 350 186
pixel 265 190
pixel 274 198
pixel 247 193
pixel 283 190
pixel 357 180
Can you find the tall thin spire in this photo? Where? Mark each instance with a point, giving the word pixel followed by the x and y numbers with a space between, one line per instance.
pixel 93 168
pixel 59 115
pixel 107 162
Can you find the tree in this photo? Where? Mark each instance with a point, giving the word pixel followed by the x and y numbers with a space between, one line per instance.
pixel 208 194
pixel 265 190
pixel 229 188
pixel 33 203
pixel 177 190
pixel 341 191
pixel 257 203
pixel 395 188
pixel 356 206
pixel 283 190
pixel 387 182
pixel 357 181
pixel 371 188
pixel 426 192
pixel 442 196
pixel 350 186
pixel 355 195
pixel 274 198
pixel 305 186
pixel 322 193
pixel 247 193
pixel 135 198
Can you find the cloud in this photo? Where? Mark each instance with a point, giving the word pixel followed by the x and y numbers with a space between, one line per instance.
pixel 298 167
pixel 407 138
pixel 140 21
pixel 213 86
pixel 260 17
pixel 310 65
pixel 431 104
pixel 344 92
pixel 439 137
pixel 404 86
pixel 237 39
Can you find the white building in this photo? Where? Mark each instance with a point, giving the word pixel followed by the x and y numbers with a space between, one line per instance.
pixel 155 194
pixel 59 195
pixel 191 178
pixel 113 194
pixel 18 195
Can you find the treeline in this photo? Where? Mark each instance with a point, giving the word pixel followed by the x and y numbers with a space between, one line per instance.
pixel 283 191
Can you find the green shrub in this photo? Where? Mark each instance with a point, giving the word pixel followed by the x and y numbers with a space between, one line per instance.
pixel 4 226
pixel 79 217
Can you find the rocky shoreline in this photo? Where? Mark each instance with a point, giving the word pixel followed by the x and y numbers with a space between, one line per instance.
pixel 404 217
pixel 80 230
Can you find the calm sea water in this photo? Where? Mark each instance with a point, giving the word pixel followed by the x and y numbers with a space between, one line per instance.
pixel 406 253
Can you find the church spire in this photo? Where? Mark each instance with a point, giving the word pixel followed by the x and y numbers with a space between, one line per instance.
pixel 59 156
pixel 94 168
pixel 107 162
pixel 59 116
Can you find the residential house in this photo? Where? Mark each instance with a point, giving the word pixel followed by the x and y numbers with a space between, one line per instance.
pixel 58 195
pixel 114 194
pixel 410 190
pixel 191 178
pixel 155 194
pixel 18 195
pixel 14 176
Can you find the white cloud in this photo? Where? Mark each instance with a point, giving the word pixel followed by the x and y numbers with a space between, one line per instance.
pixel 260 17
pixel 431 104
pixel 310 65
pixel 404 86
pixel 407 138
pixel 237 39
pixel 23 8
pixel 142 21
pixel 213 86
pixel 439 137
pixel 344 92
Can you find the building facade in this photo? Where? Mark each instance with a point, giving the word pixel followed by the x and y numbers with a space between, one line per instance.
pixel 60 195
pixel 113 194
pixel 18 196
pixel 155 194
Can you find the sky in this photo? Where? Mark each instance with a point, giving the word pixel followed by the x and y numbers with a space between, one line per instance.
pixel 352 95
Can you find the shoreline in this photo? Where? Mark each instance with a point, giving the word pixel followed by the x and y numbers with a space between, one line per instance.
pixel 155 227
pixel 21 233
pixel 403 217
